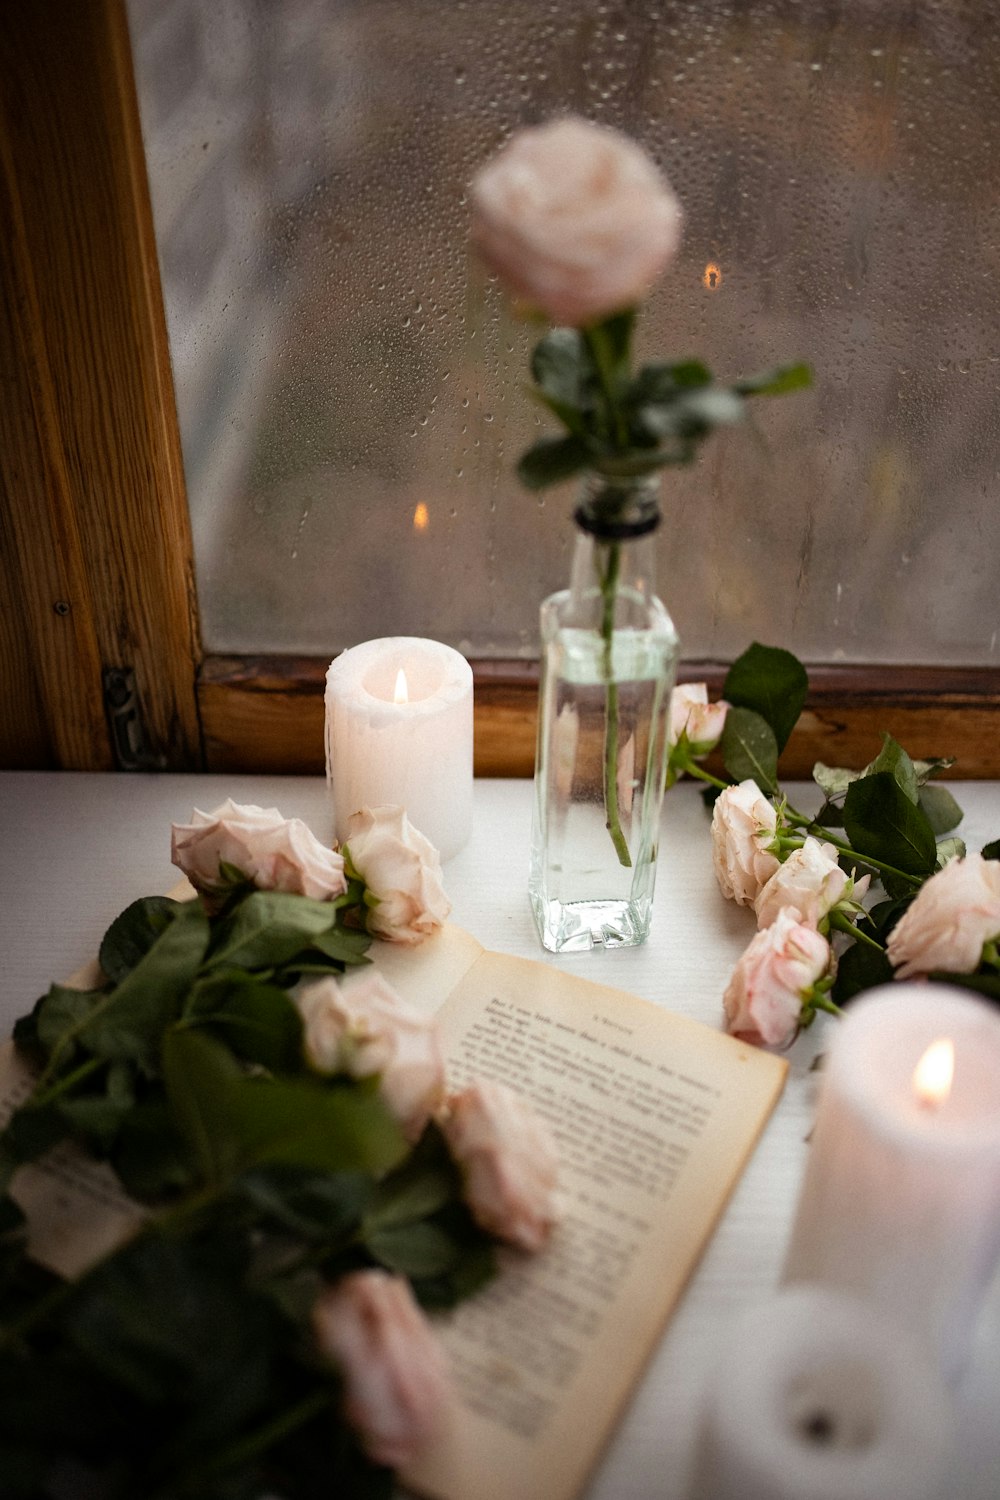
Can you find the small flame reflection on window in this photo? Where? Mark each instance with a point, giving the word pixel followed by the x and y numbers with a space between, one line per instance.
pixel 421 517
pixel 711 277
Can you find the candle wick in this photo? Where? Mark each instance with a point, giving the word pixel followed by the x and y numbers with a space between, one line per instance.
pixel 819 1427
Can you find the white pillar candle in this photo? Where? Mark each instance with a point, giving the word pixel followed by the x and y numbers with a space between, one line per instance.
pixel 818 1397
pixel 399 732
pixel 901 1197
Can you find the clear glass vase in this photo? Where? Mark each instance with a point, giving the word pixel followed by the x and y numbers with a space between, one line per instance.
pixel 609 655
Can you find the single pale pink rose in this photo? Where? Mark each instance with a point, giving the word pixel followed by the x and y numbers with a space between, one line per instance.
pixel 952 915
pixel 575 219
pixel 272 852
pixel 690 710
pixel 812 881
pixel 508 1161
pixel 401 869
pixel 370 1327
pixel 744 822
pixel 365 1027
pixel 763 1002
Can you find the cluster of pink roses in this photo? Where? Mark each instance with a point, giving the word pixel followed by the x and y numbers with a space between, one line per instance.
pixel 788 967
pixel 368 1323
pixel 404 893
pixel 951 924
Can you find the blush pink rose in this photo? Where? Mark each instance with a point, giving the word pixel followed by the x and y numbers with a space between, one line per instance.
pixel 575 219
pixel 763 1002
pixel 402 871
pixel 812 881
pixel 508 1162
pixel 274 853
pixel 370 1327
pixel 366 1028
pixel 744 822
pixel 691 711
pixel 952 915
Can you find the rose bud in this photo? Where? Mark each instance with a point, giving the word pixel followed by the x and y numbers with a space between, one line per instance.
pixel 812 881
pixel 693 715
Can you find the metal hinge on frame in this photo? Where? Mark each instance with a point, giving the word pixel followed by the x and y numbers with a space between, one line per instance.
pixel 128 737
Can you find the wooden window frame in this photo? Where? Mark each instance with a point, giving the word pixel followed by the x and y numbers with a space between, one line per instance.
pixel 96 561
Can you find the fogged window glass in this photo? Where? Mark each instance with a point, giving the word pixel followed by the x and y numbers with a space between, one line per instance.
pixel 351 387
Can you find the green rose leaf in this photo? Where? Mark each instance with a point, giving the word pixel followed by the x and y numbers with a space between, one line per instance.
pixel 773 683
pixel 61 1015
pixel 560 365
pixel 880 820
pixel 133 933
pixel 268 928
pixel 319 1206
pixel 833 781
pixel 776 382
pixel 991 850
pixel 981 984
pixel 232 1122
pixel 414 1250
pixel 860 967
pixel 749 749
pixel 553 460
pixel 257 1020
pixel 129 1022
pixel 949 849
pixel 943 812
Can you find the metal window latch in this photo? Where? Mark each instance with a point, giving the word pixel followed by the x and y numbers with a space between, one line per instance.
pixel 128 738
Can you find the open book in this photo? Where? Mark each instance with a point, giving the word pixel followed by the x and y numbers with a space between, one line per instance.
pixel 655 1117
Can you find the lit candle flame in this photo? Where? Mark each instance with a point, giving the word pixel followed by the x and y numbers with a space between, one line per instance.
pixel 711 277
pixel 934 1072
pixel 421 517
pixel 402 693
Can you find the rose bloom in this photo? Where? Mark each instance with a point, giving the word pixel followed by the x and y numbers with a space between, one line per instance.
pixel 274 853
pixel 365 1027
pixel 763 1001
pixel 690 710
pixel 952 915
pixel 402 872
pixel 575 219
pixel 369 1326
pixel 812 881
pixel 743 824
pixel 508 1161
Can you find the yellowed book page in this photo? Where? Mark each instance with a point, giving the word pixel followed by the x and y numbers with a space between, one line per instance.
pixel 655 1117
pixel 77 1210
pixel 425 974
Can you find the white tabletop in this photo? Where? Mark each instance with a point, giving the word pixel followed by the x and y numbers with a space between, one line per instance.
pixel 78 848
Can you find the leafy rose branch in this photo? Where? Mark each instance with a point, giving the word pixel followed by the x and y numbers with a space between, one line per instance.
pixel 308 1182
pixel 941 909
pixel 578 223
